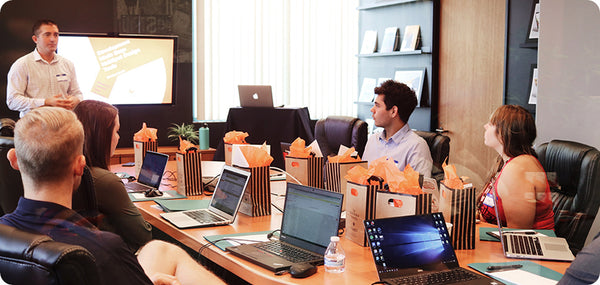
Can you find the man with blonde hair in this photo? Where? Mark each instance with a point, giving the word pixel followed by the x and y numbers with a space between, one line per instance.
pixel 49 154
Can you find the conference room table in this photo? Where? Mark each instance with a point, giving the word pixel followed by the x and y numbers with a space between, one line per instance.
pixel 360 267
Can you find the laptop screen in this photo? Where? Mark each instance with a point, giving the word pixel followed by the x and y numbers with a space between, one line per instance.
pixel 410 244
pixel 153 168
pixel 229 191
pixel 255 96
pixel 310 217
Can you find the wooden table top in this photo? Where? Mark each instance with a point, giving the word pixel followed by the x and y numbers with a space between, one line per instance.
pixel 360 267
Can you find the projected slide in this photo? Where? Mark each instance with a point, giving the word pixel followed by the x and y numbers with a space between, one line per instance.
pixel 122 70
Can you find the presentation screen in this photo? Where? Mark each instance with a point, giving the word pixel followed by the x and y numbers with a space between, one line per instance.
pixel 124 69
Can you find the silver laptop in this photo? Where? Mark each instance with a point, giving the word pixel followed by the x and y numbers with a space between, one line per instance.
pixel 151 173
pixel 255 96
pixel 520 245
pixel 417 249
pixel 223 206
pixel 310 217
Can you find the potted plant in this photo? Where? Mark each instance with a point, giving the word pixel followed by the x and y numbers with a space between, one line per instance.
pixel 186 132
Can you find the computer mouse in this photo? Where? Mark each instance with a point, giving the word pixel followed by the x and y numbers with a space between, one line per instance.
pixel 302 270
pixel 153 193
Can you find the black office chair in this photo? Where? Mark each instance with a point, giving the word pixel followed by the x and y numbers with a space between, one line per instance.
pixel 27 258
pixel 334 131
pixel 11 186
pixel 439 146
pixel 576 189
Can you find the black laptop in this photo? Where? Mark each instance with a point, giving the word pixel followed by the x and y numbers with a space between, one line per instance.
pixel 310 217
pixel 151 173
pixel 417 250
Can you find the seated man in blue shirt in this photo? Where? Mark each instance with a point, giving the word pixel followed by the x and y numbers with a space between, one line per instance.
pixel 394 104
pixel 49 154
pixel 585 269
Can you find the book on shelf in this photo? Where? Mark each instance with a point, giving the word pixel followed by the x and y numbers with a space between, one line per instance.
pixel 367 91
pixel 369 44
pixel 412 38
pixel 391 40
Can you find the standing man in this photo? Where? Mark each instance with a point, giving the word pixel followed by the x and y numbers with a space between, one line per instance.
pixel 394 104
pixel 42 77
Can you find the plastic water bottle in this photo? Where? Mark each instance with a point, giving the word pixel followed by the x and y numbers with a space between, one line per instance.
pixel 203 134
pixel 335 258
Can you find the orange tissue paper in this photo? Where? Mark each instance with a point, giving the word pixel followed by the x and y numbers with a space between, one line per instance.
pixel 345 157
pixel 235 137
pixel 358 175
pixel 145 134
pixel 298 149
pixel 451 179
pixel 186 146
pixel 407 182
pixel 256 156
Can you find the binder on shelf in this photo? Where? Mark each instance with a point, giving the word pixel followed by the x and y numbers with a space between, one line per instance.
pixel 391 40
pixel 412 38
pixel 369 44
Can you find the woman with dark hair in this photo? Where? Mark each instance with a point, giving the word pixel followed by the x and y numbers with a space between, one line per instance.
pixel 519 179
pixel 118 214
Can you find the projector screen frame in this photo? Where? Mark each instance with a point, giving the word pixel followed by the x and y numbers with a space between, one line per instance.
pixel 173 38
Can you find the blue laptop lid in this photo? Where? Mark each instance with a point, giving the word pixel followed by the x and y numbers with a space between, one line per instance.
pixel 408 245
pixel 153 169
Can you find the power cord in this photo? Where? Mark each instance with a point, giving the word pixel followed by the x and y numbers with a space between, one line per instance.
pixel 210 243
pixel 169 175
pixel 286 173
pixel 271 234
pixel 208 187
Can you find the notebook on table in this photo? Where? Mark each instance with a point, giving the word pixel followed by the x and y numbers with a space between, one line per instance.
pixel 310 217
pixel 223 206
pixel 520 245
pixel 151 173
pixel 417 250
pixel 255 96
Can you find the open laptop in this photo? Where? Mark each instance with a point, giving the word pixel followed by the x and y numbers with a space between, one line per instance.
pixel 520 245
pixel 255 96
pixel 310 217
pixel 417 250
pixel 151 173
pixel 223 206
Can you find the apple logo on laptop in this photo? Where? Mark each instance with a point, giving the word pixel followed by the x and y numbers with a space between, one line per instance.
pixel 255 96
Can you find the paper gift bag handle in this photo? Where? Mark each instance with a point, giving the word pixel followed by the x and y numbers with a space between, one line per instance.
pixel 376 178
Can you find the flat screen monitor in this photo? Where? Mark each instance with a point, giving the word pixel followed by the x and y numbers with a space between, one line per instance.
pixel 123 69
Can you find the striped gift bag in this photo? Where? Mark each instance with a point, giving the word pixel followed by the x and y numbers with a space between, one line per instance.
pixel 189 173
pixel 257 198
pixel 308 171
pixel 458 207
pixel 360 206
pixel 139 152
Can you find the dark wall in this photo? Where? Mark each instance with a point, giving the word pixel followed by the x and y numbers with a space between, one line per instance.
pixel 520 55
pixel 164 17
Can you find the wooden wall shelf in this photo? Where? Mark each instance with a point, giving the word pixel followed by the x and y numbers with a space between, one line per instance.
pixel 123 155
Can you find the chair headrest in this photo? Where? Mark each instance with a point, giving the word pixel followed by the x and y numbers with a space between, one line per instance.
pixel 7 127
pixel 7 142
pixel 567 159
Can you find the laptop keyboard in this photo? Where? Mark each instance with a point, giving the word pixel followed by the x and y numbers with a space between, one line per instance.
pixel 524 244
pixel 457 275
pixel 203 216
pixel 136 187
pixel 288 252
